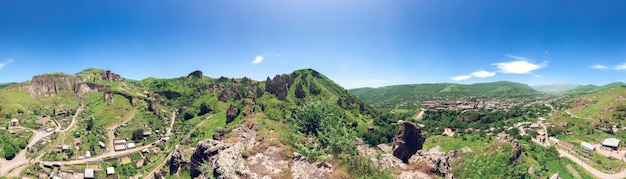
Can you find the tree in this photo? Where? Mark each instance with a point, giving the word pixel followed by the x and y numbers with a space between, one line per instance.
pixel 138 135
pixel 204 109
pixel 90 124
pixel 308 117
pixel 188 114
pixel 9 151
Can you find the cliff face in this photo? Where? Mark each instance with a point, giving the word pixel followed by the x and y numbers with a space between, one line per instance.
pixel 50 84
pixel 407 141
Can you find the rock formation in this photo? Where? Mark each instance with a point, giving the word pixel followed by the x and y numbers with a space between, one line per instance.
pixel 279 85
pixel 154 109
pixel 301 168
pixel 231 113
pixel 50 84
pixel 436 161
pixel 218 135
pixel 196 73
pixel 178 160
pixel 517 148
pixel 110 76
pixel 226 160
pixel 407 141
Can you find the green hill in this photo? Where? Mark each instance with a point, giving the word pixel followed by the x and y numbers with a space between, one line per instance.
pixel 391 96
pixel 583 89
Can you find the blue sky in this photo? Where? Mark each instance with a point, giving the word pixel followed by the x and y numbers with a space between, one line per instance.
pixel 354 42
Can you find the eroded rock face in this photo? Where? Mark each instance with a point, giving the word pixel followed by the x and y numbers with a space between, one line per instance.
pixel 110 76
pixel 231 113
pixel 154 109
pixel 226 160
pixel 279 85
pixel 269 162
pixel 436 160
pixel 218 135
pixel 407 141
pixel 301 168
pixel 178 159
pixel 50 84
pixel 196 73
pixel 517 148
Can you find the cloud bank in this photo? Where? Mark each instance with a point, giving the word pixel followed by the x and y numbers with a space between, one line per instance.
pixel 598 67
pixel 519 67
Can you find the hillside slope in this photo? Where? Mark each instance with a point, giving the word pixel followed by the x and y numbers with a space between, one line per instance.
pixel 390 96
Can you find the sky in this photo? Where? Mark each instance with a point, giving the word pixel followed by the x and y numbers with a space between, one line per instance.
pixel 356 43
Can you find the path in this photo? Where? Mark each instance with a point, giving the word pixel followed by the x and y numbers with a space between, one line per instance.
pixel 420 114
pixel 150 174
pixel 590 169
pixel 21 159
pixel 111 133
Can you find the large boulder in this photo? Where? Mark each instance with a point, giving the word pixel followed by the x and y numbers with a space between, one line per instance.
pixel 301 168
pixel 178 160
pixel 110 76
pixel 407 141
pixel 435 161
pixel 517 147
pixel 231 113
pixel 196 73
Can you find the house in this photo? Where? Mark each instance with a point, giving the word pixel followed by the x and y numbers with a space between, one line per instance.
pixel 587 146
pixel 447 132
pixel 147 134
pixel 130 145
pixel 611 143
pixel 541 138
pixel 534 126
pixel 65 147
pixel 565 144
pixel 541 119
pixel 89 173
pixel 101 144
pixel 119 147
pixel 110 170
pixel 88 154
pixel 15 122
pixel 47 164
pixel 119 142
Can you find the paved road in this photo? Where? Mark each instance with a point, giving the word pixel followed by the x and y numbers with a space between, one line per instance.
pixel 590 169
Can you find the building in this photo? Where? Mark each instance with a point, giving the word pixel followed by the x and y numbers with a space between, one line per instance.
pixel 119 142
pixel 110 170
pixel 130 145
pixel 15 122
pixel 566 144
pixel 101 144
pixel 147 134
pixel 119 147
pixel 541 119
pixel 89 173
pixel 534 126
pixel 611 143
pixel 587 146
pixel 541 138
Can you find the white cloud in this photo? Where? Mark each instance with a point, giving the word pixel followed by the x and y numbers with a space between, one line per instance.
pixel 621 67
pixel 257 60
pixel 461 78
pixel 519 67
pixel 5 63
pixel 483 74
pixel 537 76
pixel 518 57
pixel 598 67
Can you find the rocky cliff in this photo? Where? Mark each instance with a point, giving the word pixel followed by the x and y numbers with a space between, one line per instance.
pixel 407 141
pixel 50 84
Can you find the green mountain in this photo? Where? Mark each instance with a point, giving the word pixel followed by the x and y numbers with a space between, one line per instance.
pixel 390 96
pixel 555 88
pixel 583 89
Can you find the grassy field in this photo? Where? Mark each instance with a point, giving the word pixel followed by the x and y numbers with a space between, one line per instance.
pixel 456 143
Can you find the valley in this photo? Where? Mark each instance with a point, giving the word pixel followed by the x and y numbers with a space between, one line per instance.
pixel 96 124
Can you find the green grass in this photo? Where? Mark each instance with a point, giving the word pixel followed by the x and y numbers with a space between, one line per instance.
pixel 456 143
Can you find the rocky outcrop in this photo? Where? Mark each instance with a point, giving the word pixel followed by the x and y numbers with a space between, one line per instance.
pixel 50 84
pixel 197 74
pixel 279 85
pixel 110 76
pixel 226 160
pixel 218 134
pixel 169 94
pixel 154 109
pixel 270 162
pixel 178 159
pixel 407 141
pixel 301 168
pixel 517 148
pixel 85 88
pixel 231 113
pixel 246 135
pixel 299 91
pixel 435 161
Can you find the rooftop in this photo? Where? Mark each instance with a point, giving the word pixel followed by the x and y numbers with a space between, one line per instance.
pixel 611 142
pixel 89 173
pixel 110 170
pixel 587 145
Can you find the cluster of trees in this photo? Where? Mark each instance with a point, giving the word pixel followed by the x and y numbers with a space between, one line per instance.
pixel 11 144
pixel 322 121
